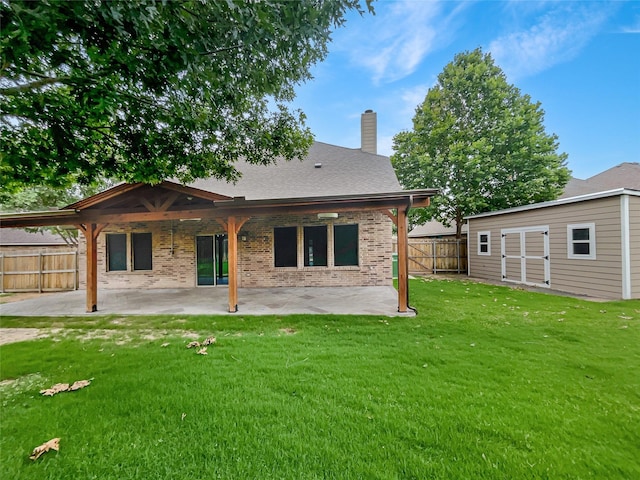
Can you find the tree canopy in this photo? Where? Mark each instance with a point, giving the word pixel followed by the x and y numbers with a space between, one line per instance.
pixel 481 142
pixel 146 90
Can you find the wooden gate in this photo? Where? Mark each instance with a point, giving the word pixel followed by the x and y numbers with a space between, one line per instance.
pixel 427 256
pixel 38 272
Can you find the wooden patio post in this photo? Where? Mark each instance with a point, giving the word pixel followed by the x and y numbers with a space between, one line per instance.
pixel 232 236
pixel 91 232
pixel 403 261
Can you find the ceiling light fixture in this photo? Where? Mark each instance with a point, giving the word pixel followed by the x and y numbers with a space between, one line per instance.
pixel 322 216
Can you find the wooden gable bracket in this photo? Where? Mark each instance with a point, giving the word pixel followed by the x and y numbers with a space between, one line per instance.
pixel 392 216
pixel 238 223
pixel 96 231
pixel 160 205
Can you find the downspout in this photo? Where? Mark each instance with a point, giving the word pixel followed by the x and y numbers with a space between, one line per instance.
pixel 414 310
pixel 171 228
pixel 626 247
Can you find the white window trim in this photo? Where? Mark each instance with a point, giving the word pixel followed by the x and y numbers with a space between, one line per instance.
pixel 488 243
pixel 592 241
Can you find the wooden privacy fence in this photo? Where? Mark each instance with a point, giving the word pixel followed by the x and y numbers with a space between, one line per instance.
pixel 428 256
pixel 38 272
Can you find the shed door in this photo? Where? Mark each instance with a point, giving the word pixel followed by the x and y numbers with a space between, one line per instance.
pixel 525 255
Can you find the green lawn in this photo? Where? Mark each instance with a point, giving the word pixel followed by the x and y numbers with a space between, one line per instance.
pixel 486 382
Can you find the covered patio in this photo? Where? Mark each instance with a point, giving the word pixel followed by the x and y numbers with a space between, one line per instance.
pixel 214 301
pixel 130 203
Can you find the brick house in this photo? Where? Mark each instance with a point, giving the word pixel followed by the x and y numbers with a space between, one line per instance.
pixel 324 220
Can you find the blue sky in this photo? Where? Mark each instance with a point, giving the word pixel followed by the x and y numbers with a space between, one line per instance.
pixel 579 59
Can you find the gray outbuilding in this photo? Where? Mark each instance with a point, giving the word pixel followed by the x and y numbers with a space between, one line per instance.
pixel 586 244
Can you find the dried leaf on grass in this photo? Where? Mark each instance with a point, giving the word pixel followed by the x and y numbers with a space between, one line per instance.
pixel 65 387
pixel 53 444
pixel 206 342
pixel 79 384
pixel 57 388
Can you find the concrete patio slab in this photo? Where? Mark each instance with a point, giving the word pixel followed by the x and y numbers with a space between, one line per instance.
pixel 213 301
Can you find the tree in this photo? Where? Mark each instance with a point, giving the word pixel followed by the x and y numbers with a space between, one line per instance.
pixel 147 90
pixel 481 142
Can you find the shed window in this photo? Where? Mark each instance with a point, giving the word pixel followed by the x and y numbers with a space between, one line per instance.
pixel 484 243
pixel 315 246
pixel 581 241
pixel 345 245
pixel 142 251
pixel 285 244
pixel 116 252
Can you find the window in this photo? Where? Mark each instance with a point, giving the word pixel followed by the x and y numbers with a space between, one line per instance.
pixel 285 244
pixel 581 241
pixel 345 245
pixel 315 246
pixel 141 248
pixel 116 252
pixel 484 243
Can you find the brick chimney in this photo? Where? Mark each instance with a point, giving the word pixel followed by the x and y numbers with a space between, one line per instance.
pixel 369 132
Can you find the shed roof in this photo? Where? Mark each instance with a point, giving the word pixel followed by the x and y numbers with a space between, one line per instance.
pixel 561 201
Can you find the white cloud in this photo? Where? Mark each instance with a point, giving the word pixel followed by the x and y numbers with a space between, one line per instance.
pixel 632 28
pixel 393 43
pixel 559 35
pixel 412 97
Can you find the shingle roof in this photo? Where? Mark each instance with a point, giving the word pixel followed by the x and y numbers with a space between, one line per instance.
pixel 17 236
pixel 342 171
pixel 624 175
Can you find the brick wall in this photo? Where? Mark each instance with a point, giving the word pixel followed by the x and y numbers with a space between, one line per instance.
pixel 174 256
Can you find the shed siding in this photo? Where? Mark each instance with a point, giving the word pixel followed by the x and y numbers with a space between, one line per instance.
pixel 600 277
pixel 634 241
pixel 177 268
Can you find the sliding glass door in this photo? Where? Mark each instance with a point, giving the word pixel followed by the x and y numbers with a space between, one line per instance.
pixel 212 265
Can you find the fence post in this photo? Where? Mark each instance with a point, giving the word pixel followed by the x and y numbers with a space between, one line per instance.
pixel 2 272
pixel 75 270
pixel 40 272
pixel 434 267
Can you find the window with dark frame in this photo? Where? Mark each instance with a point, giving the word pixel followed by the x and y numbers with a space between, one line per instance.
pixel 285 246
pixel 116 252
pixel 315 246
pixel 484 243
pixel 141 246
pixel 345 245
pixel 580 241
